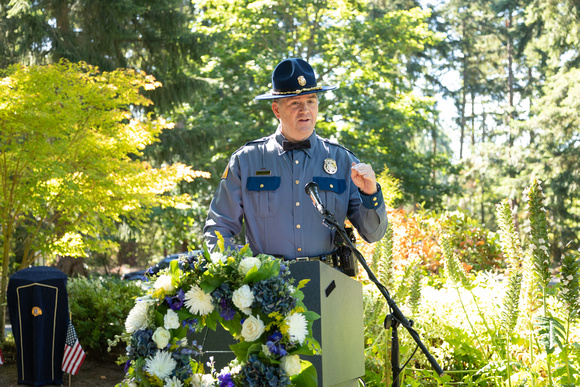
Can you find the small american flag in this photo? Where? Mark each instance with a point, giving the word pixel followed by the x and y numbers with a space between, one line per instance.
pixel 1 358
pixel 73 352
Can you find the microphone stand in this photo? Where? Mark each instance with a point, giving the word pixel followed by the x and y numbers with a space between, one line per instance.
pixel 396 317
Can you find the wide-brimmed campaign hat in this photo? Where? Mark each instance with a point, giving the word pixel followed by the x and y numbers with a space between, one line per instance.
pixel 293 77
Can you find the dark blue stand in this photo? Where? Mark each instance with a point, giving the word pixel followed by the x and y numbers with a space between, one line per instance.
pixel 38 308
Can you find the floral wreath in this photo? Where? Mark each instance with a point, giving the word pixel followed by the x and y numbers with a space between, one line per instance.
pixel 253 298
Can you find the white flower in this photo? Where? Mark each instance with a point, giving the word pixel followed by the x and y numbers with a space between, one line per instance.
pixel 243 298
pixel 171 320
pixel 198 301
pixel 137 318
pixel 202 380
pixel 247 264
pixel 297 327
pixel 132 384
pixel 252 328
pixel 161 337
pixel 541 240
pixel 173 382
pixel 217 257
pixel 564 290
pixel 291 364
pixel 532 246
pixel 164 282
pixel 570 277
pixel 160 365
pixel 544 248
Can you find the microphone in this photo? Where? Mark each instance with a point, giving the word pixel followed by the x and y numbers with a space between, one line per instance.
pixel 312 191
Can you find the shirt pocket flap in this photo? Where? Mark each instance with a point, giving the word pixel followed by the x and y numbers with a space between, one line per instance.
pixel 263 183
pixel 330 184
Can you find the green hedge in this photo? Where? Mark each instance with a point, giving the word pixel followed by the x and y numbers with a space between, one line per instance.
pixel 99 307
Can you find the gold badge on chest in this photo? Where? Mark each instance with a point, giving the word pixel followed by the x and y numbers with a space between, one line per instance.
pixel 330 166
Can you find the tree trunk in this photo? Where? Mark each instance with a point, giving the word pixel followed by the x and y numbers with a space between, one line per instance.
pixel 510 55
pixel 463 98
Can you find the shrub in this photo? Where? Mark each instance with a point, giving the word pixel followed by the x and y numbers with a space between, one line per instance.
pixel 98 308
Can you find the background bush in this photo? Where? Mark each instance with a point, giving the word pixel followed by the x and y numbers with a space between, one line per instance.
pixel 99 307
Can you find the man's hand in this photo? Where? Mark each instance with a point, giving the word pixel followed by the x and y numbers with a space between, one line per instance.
pixel 364 178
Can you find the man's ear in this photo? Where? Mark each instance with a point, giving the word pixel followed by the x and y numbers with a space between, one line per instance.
pixel 276 109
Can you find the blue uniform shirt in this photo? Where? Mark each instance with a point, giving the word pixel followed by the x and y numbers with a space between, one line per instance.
pixel 263 187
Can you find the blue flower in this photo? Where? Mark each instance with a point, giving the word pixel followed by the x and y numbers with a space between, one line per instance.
pixel 176 302
pixel 273 295
pixel 190 324
pixel 226 380
pixel 274 345
pixel 142 344
pixel 255 373
pixel 223 295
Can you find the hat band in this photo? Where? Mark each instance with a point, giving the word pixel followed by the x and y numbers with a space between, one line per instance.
pixel 297 91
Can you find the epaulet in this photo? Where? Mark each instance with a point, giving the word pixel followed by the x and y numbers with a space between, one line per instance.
pixel 250 143
pixel 329 142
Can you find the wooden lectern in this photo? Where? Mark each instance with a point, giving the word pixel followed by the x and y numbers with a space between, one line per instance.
pixel 338 299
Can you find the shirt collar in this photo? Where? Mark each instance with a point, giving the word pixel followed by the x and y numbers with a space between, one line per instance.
pixel 279 137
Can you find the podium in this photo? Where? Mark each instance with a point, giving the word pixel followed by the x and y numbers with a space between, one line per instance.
pixel 338 299
pixel 38 308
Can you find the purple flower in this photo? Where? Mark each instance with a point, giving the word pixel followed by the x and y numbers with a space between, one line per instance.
pixel 226 310
pixel 225 304
pixel 275 346
pixel 190 324
pixel 176 302
pixel 225 380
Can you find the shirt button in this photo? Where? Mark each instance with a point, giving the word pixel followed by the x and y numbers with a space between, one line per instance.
pixel 299 249
pixel 261 185
pixel 297 226
pixel 297 182
pixel 374 199
pixel 331 186
pixel 297 162
pixel 297 204
pixel 376 204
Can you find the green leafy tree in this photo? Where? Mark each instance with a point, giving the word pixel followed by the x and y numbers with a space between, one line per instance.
pixel 375 112
pixel 69 136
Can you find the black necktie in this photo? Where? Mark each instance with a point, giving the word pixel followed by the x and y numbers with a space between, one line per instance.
pixel 288 146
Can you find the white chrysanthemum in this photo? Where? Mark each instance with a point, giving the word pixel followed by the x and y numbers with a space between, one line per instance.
pixel 173 382
pixel 164 282
pixel 198 301
pixel 160 365
pixel 217 257
pixel 247 264
pixel 243 297
pixel 137 318
pixel 171 320
pixel 297 327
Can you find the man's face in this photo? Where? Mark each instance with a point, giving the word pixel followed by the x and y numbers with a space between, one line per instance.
pixel 297 115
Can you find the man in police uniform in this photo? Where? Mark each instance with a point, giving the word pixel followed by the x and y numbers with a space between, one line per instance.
pixel 263 184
